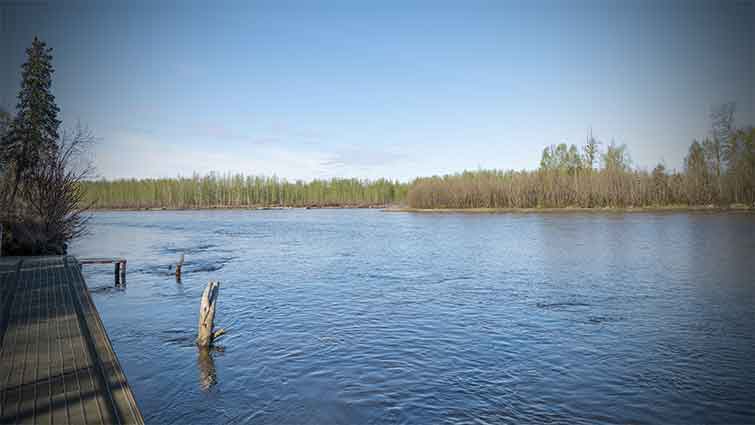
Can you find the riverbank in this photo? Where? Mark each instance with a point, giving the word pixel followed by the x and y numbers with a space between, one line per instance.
pixel 400 209
pixel 247 208
pixel 669 208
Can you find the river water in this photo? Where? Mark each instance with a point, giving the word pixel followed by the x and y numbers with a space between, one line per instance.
pixel 369 317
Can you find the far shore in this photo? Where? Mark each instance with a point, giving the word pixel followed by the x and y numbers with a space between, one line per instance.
pixel 247 208
pixel 669 208
pixel 400 209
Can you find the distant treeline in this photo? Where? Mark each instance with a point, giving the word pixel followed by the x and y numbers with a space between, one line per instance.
pixel 240 191
pixel 719 170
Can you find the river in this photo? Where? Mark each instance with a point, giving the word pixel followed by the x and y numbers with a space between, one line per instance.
pixel 369 317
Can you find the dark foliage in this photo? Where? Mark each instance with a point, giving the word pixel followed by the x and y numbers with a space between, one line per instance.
pixel 42 200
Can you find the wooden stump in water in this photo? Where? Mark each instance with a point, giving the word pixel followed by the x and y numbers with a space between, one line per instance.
pixel 206 335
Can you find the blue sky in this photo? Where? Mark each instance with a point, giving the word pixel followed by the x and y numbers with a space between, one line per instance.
pixel 400 89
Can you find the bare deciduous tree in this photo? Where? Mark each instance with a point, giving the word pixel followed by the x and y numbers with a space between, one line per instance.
pixel 54 191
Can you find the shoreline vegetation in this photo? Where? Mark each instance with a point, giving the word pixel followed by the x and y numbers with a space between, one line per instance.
pixel 252 208
pixel 718 174
pixel 239 191
pixel 650 209
pixel 404 209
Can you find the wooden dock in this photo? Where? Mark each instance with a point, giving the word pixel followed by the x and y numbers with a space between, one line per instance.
pixel 120 266
pixel 57 365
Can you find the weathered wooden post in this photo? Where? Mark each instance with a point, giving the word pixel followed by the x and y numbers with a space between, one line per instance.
pixel 179 264
pixel 117 273
pixel 205 335
pixel 123 272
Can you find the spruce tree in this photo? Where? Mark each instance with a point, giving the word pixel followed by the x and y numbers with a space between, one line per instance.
pixel 5 120
pixel 33 134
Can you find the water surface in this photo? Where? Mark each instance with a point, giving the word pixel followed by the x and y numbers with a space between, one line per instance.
pixel 361 316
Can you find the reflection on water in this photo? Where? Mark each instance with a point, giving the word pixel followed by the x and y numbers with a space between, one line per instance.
pixel 206 365
pixel 364 317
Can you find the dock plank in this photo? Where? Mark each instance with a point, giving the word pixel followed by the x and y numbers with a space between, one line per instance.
pixel 57 364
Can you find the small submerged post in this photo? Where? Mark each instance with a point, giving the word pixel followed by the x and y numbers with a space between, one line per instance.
pixel 206 335
pixel 179 264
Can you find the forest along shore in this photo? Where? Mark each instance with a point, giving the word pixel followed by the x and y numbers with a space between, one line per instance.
pixel 718 172
pixel 736 208
pixel 657 209
pixel 251 208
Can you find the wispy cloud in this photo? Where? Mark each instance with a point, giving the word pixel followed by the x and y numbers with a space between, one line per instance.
pixel 137 154
pixel 362 162
pixel 279 133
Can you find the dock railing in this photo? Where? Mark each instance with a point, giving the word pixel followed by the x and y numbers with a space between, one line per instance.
pixel 120 266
